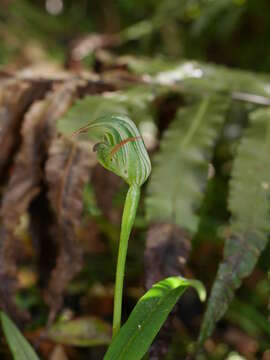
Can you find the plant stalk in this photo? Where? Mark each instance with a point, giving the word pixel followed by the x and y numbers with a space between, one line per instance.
pixel 129 213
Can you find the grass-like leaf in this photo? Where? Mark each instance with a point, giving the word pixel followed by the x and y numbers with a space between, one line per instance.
pixel 19 346
pixel 146 319
pixel 250 208
pixel 180 168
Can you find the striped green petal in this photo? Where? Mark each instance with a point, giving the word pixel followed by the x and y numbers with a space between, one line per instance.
pixel 122 149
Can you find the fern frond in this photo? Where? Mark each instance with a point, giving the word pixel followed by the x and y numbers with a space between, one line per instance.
pixel 194 77
pixel 250 208
pixel 197 78
pixel 180 168
pixel 135 102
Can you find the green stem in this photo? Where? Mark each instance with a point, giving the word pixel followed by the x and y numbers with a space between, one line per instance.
pixel 129 213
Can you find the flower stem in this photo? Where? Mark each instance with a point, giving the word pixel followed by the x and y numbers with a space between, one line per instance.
pixel 129 213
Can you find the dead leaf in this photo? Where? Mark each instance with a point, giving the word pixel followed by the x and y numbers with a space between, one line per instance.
pixel 166 253
pixel 87 45
pixel 25 181
pixel 67 171
pixel 15 98
pixel 42 232
pixel 58 353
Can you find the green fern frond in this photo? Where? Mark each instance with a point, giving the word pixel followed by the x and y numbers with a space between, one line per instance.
pixel 249 204
pixel 180 168
pixel 197 78
pixel 194 77
pixel 135 102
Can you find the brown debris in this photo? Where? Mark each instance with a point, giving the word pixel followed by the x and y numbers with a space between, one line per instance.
pixel 266 355
pixel 26 179
pixel 42 232
pixel 106 184
pixel 58 353
pixel 167 251
pixel 246 345
pixel 67 171
pixel 89 236
pixel 86 45
pixel 15 98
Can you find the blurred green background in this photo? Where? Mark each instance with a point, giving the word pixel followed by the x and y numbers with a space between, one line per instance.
pixel 231 32
pixel 235 33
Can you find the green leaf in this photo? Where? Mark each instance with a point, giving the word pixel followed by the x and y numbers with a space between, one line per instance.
pixel 135 102
pixel 180 169
pixel 194 77
pixel 250 208
pixel 143 65
pixel 19 346
pixel 88 331
pixel 147 317
pixel 211 78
